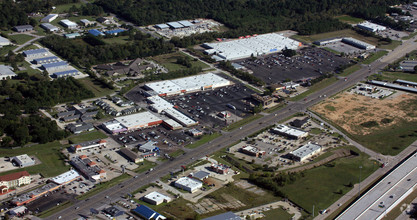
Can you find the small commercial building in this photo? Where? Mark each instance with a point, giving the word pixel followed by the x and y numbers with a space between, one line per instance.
pixel 289 132
pixel 148 147
pixel 18 211
pixel 156 198
pixel 147 213
pixel 49 27
pixel 103 20
pixel 86 22
pixel 49 18
pixel 23 28
pixel 6 72
pixel 72 35
pixel 14 180
pixel 23 160
pixel 219 168
pixel 65 178
pixel 55 66
pixel 200 175
pixel 299 123
pixel 114 211
pixel 305 152
pixel 188 184
pixel 68 24
pixel 4 41
pixel 252 151
pixel 88 168
pixel 131 156
pixel 366 25
pixel 80 127
pixel 224 114
pixel 195 132
pixel 88 145
pixel 35 52
pixel 265 100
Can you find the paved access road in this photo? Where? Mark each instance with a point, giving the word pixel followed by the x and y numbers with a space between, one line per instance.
pixel 228 138
pixel 386 194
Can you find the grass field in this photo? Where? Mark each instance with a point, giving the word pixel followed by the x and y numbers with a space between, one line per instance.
pixel 204 139
pixel 146 166
pixel 276 107
pixel 410 36
pixel 64 8
pixel 391 46
pixel 95 87
pixel 4 50
pixel 102 186
pixel 349 19
pixel 169 61
pixel 87 136
pixel 20 38
pixel 392 76
pixel 49 154
pixel 314 88
pixel 375 56
pixel 277 214
pixel 117 40
pixel 177 153
pixel 242 122
pixel 350 70
pixel 321 186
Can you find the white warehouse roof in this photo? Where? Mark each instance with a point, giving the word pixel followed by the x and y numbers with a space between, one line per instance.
pixel 188 182
pixel 157 197
pixel 180 117
pixel 256 45
pixel 138 120
pixel 190 83
pixel 65 177
pixel 306 150
pixel 371 26
pixel 290 131
pixel 68 23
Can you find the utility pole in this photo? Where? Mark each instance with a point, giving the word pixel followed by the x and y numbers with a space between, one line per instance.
pixel 313 211
pixel 360 177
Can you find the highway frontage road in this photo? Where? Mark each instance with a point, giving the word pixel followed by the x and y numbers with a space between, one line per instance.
pixel 114 193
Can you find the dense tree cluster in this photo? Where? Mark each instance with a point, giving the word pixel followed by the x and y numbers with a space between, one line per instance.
pixel 14 13
pixel 22 101
pixel 250 16
pixel 84 55
pixel 87 9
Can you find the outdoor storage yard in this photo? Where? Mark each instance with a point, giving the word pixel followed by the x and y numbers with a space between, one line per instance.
pixel 385 125
pixel 309 63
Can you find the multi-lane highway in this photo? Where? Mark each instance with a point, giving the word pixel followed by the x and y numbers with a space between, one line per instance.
pixel 114 193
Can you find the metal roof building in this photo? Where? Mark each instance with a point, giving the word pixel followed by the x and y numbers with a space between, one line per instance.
pixel 66 177
pixel 147 213
pixel 43 60
pixel 35 52
pixel 188 184
pixel 95 32
pixel 85 22
pixel 188 84
pixel 289 132
pixel 6 71
pixel 54 66
pixel 49 18
pixel 255 45
pixel 175 25
pixel 305 151
pixel 186 23
pixel 161 26
pixel 4 41
pixel 404 82
pixel 72 35
pixel 393 86
pixel 66 73
pixel 132 156
pixel 366 25
pixel 49 27
pixel 23 28
pixel 68 24
pixel 408 65
pixel 224 216
pixel 357 43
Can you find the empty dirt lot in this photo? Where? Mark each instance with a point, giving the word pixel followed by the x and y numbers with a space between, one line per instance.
pixel 385 125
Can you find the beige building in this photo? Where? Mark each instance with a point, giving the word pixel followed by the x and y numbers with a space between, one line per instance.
pixel 14 180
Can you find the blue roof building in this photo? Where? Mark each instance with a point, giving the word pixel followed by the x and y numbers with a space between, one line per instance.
pixel 65 73
pixel 224 216
pixel 95 32
pixel 35 52
pixel 45 60
pixel 115 31
pixel 54 66
pixel 147 213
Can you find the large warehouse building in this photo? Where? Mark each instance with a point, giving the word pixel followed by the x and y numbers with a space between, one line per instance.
pixel 187 84
pixel 305 152
pixel 250 46
pixel 132 122
pixel 366 25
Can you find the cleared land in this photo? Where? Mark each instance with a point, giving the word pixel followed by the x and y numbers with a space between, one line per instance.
pixel 386 126
pixel 96 87
pixel 314 88
pixel 170 61
pixel 88 136
pixel 375 56
pixel 392 76
pixel 20 38
pixel 349 19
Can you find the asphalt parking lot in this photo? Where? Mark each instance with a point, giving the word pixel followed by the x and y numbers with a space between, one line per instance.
pixel 309 63
pixel 51 200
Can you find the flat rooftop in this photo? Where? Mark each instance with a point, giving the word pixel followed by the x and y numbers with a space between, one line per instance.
pixel 188 182
pixel 306 150
pixel 138 119
pixel 288 130
pixel 65 177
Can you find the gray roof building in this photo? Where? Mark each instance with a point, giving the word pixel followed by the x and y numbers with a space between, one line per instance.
pixel 6 71
pixel 80 127
pixel 23 28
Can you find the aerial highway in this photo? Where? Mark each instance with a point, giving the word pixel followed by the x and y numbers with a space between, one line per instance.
pixel 113 194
